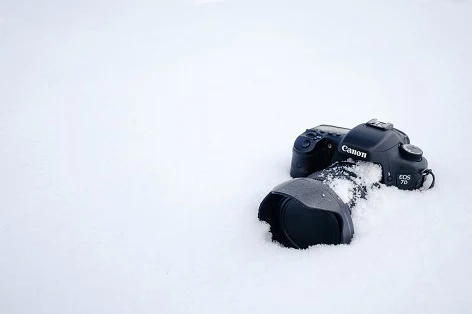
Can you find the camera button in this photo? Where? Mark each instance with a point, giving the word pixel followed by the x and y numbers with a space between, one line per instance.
pixel 389 179
pixel 311 134
pixel 306 143
pixel 411 152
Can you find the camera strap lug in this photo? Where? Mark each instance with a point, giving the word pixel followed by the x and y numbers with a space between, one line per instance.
pixel 425 173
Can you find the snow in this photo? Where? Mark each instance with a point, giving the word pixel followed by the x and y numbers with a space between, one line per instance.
pixel 138 139
pixel 365 178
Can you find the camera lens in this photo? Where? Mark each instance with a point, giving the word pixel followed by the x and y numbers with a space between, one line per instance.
pixel 307 211
pixel 305 226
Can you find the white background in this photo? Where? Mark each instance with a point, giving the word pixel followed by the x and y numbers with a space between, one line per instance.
pixel 138 138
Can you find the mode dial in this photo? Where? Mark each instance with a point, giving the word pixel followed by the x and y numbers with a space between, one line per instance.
pixel 411 152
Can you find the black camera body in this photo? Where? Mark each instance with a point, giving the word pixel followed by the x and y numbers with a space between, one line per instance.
pixel 403 164
pixel 308 210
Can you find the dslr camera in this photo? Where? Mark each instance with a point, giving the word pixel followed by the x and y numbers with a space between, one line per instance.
pixel 306 211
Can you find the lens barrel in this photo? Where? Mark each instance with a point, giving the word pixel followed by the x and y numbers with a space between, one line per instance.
pixel 306 211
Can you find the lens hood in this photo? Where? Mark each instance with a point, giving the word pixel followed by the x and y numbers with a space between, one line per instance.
pixel 303 212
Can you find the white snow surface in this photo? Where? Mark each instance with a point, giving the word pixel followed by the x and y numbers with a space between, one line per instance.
pixel 139 137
